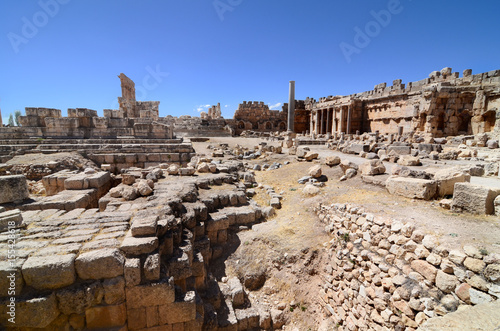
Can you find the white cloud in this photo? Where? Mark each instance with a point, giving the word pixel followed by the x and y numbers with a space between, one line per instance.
pixel 275 106
pixel 226 106
pixel 202 108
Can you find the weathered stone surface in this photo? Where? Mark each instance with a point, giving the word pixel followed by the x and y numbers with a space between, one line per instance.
pixel 315 171
pixel 447 178
pixel 152 267
pixel 36 313
pixel 114 290
pixel 236 291
pixel 14 188
pixel 425 269
pixel 446 283
pixel 132 271
pixel 485 317
pixel 332 161
pixel 150 295
pixel 412 187
pixel 144 226
pixel 106 317
pixel 100 264
pixel 474 199
pixel 138 246
pixel 373 167
pixel 49 272
pixel 10 219
pixel 143 188
pixel 475 265
pixel 180 311
pixel 76 299
pixel 408 161
pixel 492 273
pixel 478 297
pixel 310 189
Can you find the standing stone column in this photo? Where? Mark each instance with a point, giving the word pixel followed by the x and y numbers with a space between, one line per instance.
pixel 311 128
pixel 322 121
pixel 327 120
pixel 349 111
pixel 342 119
pixel 291 106
pixel 1 124
pixel 317 121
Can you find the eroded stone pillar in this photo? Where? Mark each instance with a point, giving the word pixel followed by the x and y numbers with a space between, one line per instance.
pixel 349 114
pixel 322 121
pixel 317 121
pixel 327 120
pixel 291 106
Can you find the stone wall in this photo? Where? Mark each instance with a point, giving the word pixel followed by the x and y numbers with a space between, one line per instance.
pixel 442 105
pixel 257 116
pixel 140 263
pixel 386 273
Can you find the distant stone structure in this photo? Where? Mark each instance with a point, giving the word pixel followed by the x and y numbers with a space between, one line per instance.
pixel 257 116
pixel 214 112
pixel 441 105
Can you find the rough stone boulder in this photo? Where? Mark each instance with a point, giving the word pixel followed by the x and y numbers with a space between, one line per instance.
pixel 332 160
pixel 14 188
pixel 203 167
pixel 310 189
pixel 315 171
pixel 476 199
pixel 412 187
pixel 173 169
pixel 373 167
pixel 446 179
pixel 345 165
pixel 189 171
pixel 408 160
pixel 302 151
pixel 311 156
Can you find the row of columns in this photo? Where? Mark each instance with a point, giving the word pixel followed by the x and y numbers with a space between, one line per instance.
pixel 324 118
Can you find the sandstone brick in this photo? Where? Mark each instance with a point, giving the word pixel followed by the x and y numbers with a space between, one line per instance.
pixel 152 267
pixel 106 316
pixel 114 290
pixel 150 295
pixel 475 199
pixel 144 226
pixel 136 318
pixel 76 299
pixel 49 272
pixel 138 246
pixel 100 264
pixel 36 313
pixel 457 256
pixel 179 311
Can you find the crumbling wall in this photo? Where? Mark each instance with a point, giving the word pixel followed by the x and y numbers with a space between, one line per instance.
pixel 257 116
pixel 385 273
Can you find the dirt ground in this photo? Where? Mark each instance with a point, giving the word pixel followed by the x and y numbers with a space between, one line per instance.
pixel 289 248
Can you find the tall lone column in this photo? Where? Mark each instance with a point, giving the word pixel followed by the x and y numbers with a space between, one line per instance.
pixel 291 106
pixel 1 124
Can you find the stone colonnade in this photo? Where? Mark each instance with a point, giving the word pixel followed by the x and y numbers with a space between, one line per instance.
pixel 331 120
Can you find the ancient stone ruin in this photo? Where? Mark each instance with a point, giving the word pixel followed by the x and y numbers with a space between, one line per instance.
pixel 373 211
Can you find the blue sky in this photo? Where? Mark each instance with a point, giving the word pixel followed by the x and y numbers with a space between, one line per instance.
pixel 191 53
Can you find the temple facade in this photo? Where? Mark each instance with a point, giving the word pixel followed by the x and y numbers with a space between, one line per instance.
pixel 443 104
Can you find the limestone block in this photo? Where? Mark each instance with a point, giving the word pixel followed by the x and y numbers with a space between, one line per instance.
pixel 180 311
pixel 372 167
pixel 99 179
pixel 14 188
pixel 236 291
pixel 408 160
pixel 446 180
pixel 143 188
pixel 154 294
pixel 189 171
pixel 492 273
pixel 10 219
pixel 476 199
pixel 114 290
pixel 358 148
pixel 11 276
pixel 106 317
pixel 138 246
pixel 302 151
pixel 399 150
pixel 144 226
pixel 75 300
pixel 132 272
pixel 36 313
pixel 152 267
pixel 99 264
pixel 49 272
pixel 412 187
